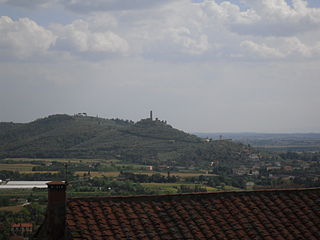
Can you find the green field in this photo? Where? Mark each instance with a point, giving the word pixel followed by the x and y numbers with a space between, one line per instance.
pixel 166 188
pixel 62 160
pixel 98 174
pixel 22 193
pixel 19 167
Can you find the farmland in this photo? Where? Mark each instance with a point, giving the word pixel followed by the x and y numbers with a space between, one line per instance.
pixel 93 177
pixel 16 167
pixel 82 170
pixel 96 167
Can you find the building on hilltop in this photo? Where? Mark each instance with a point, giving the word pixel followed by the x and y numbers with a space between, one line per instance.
pixel 266 214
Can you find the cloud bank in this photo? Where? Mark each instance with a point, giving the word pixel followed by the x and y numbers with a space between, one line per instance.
pixel 180 29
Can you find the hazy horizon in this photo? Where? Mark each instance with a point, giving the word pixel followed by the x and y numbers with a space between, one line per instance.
pixel 194 132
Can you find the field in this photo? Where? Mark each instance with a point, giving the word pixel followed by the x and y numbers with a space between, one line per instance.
pixel 62 160
pixel 174 187
pixel 107 168
pixel 98 174
pixel 20 167
pixel 116 174
pixel 98 168
pixel 26 165
pixel 13 209
pixel 22 193
pixel 33 172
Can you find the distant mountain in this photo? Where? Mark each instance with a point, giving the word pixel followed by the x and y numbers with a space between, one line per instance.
pixel 81 136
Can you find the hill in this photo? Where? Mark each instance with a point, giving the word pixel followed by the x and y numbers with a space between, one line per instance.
pixel 279 142
pixel 147 141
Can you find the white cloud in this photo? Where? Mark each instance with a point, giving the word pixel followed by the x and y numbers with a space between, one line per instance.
pixel 23 38
pixel 261 50
pixel 183 37
pixel 228 13
pixel 177 42
pixel 278 18
pixel 78 37
pixel 293 46
pixel 168 32
pixel 280 48
pixel 101 21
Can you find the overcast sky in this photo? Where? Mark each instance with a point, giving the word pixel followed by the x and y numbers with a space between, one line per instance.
pixel 204 66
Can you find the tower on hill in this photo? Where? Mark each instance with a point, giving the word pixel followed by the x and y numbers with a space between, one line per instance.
pixel 151 117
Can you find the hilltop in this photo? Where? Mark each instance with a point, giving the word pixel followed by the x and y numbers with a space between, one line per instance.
pixel 80 136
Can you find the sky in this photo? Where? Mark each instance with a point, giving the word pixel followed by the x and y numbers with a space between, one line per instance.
pixel 202 65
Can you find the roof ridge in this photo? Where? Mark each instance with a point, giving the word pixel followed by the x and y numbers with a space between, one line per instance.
pixel 202 194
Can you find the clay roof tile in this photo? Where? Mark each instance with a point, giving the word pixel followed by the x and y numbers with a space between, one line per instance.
pixel 275 214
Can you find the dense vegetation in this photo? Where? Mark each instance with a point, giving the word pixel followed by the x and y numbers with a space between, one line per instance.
pixel 32 213
pixel 148 142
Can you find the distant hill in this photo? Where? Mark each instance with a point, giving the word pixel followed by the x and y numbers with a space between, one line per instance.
pixel 273 141
pixel 146 141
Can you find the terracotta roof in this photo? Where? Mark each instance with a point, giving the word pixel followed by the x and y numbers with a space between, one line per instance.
pixel 268 214
pixel 16 238
pixel 56 183
pixel 17 225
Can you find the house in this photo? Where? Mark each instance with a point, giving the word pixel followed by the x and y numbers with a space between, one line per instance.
pixel 242 170
pixel 249 185
pixel 287 168
pixel 22 230
pixel 254 157
pixel 271 168
pixel 265 214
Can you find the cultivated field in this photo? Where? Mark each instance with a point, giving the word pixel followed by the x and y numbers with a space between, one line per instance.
pixel 19 167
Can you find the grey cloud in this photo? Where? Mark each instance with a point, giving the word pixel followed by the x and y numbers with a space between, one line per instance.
pixel 29 3
pixel 84 6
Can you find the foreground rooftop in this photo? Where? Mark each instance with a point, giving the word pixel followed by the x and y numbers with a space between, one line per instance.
pixel 267 214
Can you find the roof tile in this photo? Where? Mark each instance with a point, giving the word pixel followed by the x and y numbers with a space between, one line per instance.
pixel 277 214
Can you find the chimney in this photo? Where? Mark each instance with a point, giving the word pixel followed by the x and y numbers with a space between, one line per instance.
pixel 56 211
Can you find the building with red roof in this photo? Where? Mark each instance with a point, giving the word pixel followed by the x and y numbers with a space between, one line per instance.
pixel 265 214
pixel 21 230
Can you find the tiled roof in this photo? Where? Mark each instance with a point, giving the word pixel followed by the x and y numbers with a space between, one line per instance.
pixel 56 183
pixel 25 225
pixel 16 238
pixel 268 214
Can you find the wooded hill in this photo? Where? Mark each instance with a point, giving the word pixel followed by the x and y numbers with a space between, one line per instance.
pixel 147 141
